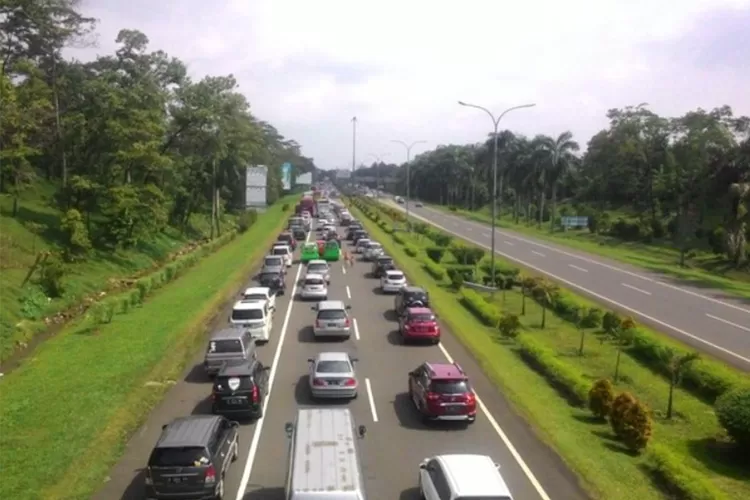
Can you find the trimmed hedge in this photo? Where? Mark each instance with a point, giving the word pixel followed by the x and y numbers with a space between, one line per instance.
pixel 436 271
pixel 484 311
pixel 410 251
pixel 678 479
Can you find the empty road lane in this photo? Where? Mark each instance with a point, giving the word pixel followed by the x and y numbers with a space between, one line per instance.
pixel 704 319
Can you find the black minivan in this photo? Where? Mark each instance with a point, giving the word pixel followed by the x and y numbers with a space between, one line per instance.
pixel 239 389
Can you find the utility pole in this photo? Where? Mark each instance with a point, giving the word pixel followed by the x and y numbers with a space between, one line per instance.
pixel 354 144
pixel 408 175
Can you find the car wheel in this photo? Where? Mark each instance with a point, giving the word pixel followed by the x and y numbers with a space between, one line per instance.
pixel 220 490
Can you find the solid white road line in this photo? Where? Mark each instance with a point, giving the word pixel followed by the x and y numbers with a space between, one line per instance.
pixel 540 254
pixel 486 235
pixel 508 243
pixel 343 268
pixel 372 400
pixel 271 378
pixel 728 322
pixel 599 296
pixel 636 289
pixel 578 268
pixel 348 292
pixel 504 437
pixel 356 329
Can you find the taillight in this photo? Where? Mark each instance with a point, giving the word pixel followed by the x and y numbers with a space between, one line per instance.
pixel 213 396
pixel 210 475
pixel 348 323
pixel 471 398
pixel 433 396
pixel 318 323
pixel 318 382
pixel 350 382
pixel 256 394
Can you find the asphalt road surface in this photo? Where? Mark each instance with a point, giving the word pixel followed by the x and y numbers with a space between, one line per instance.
pixel 706 319
pixel 396 440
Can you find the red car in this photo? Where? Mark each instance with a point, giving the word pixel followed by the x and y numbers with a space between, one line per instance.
pixel 441 391
pixel 288 239
pixel 321 246
pixel 419 324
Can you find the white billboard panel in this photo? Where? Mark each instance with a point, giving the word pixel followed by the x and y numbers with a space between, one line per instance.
pixel 304 180
pixel 255 186
pixel 343 174
pixel 286 176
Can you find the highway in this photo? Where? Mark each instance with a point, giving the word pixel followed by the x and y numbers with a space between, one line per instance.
pixel 708 320
pixel 396 440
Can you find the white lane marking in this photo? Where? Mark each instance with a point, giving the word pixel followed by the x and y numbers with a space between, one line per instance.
pixel 372 400
pixel 599 296
pixel 356 329
pixel 728 322
pixel 271 378
pixel 486 235
pixel 343 268
pixel 540 254
pixel 578 268
pixel 508 243
pixel 469 229
pixel 619 270
pixel 636 289
pixel 504 437
pixel 348 292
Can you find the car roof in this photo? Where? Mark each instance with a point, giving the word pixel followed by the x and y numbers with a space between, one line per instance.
pixel 384 257
pixel 309 244
pixel 194 430
pixel 331 304
pixel 394 271
pixel 419 310
pixel 228 334
pixel 317 261
pixel 271 256
pixel 313 276
pixel 281 245
pixel 413 289
pixel 257 289
pixel 446 371
pixel 248 305
pixel 474 475
pixel 333 356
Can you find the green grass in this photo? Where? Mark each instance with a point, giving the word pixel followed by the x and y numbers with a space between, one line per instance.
pixel 35 229
pixel 67 413
pixel 703 269
pixel 589 448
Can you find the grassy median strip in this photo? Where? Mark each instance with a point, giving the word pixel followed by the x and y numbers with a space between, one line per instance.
pixel 703 268
pixel 68 412
pixel 698 454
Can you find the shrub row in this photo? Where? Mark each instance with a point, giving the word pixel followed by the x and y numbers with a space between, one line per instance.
pixel 485 312
pixel 435 270
pixel 680 480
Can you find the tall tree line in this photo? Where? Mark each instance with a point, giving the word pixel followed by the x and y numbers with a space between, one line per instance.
pixel 133 142
pixel 645 177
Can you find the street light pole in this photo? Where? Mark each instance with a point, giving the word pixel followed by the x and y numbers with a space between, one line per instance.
pixel 379 159
pixel 408 174
pixel 354 144
pixel 495 123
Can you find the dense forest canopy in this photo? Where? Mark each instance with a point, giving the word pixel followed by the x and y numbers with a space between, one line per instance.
pixel 645 177
pixel 132 141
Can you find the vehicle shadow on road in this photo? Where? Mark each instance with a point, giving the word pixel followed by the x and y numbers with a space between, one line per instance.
pixel 265 494
pixel 134 491
pixel 303 397
pixel 203 407
pixel 409 418
pixel 306 335
pixel 390 315
pixel 197 375
pixel 410 494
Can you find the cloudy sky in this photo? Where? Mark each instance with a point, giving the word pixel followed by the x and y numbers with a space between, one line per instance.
pixel 309 66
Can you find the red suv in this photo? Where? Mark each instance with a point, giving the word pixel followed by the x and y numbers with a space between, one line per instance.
pixel 441 391
pixel 287 238
pixel 419 324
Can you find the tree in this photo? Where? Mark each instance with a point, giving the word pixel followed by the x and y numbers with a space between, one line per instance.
pixel 601 398
pixel 677 365
pixel 544 293
pixel 528 284
pixel 560 151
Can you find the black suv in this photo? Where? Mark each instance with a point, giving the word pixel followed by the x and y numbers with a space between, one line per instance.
pixel 382 264
pixel 358 235
pixel 191 457
pixel 240 388
pixel 299 233
pixel 352 230
pixel 273 280
pixel 410 296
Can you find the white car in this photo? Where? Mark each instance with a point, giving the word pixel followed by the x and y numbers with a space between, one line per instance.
pixel 314 287
pixel 320 267
pixel 361 245
pixel 451 477
pixel 260 294
pixel 392 281
pixel 255 317
pixel 285 252
pixel 372 250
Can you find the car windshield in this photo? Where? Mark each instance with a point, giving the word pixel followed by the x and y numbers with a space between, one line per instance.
pixel 450 386
pixel 383 262
pixel 310 247
pixel 421 317
pixel 395 276
pixel 184 456
pixel 225 346
pixel 333 367
pixel 331 314
pixel 268 276
pixel 273 261
pixel 279 251
pixel 314 281
pixel 373 246
pixel 222 382
pixel 332 245
pixel 318 268
pixel 252 297
pixel 246 314
pixel 416 296
pixel 285 237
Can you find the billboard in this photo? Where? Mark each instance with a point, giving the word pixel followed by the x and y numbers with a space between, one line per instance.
pixel 304 180
pixel 286 176
pixel 255 186
pixel 343 174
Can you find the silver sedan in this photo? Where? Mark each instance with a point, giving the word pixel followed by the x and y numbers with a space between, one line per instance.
pixel 332 376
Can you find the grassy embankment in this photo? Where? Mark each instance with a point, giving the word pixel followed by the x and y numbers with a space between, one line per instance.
pixel 703 268
pixel 707 467
pixel 67 414
pixel 35 229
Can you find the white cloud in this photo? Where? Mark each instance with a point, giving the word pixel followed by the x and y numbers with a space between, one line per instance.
pixel 400 66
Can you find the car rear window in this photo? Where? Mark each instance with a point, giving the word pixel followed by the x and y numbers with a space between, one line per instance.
pixel 421 296
pixel 273 261
pixel 226 345
pixel 450 386
pixel 332 245
pixel 279 251
pixel 317 268
pixel 387 260
pixel 222 383
pixel 268 276
pixel 244 314
pixel 314 281
pixel 395 276
pixel 422 317
pixel 253 297
pixel 333 367
pixel 285 237
pixel 186 456
pixel 332 314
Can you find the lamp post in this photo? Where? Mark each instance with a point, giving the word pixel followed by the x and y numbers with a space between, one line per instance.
pixel 495 122
pixel 408 174
pixel 379 159
pixel 354 144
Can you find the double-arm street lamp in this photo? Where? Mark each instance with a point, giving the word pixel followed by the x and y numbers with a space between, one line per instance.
pixel 495 122
pixel 408 174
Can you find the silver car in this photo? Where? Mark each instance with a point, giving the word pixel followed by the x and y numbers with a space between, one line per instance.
pixel 332 319
pixel 273 264
pixel 332 376
pixel 362 244
pixel 392 281
pixel 314 287
pixel 320 267
pixel 372 250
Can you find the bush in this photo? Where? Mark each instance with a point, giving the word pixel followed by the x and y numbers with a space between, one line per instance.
pixel 637 427
pixel 441 239
pixel 246 220
pixel 733 411
pixel 509 325
pixel 51 277
pixel 564 378
pixel 420 228
pixel 620 407
pixel 77 241
pixel 611 322
pixel 601 397
pixel 485 312
pixel 398 239
pixel 677 478
pixel 592 318
pixel 410 251
pixel 436 271
pixel 435 253
pixel 565 305
pixel 466 254
pixel 716 240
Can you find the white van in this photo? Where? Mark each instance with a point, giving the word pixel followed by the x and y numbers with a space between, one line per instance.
pixel 254 317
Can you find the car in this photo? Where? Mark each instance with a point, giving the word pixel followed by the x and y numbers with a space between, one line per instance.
pixel 227 344
pixel 381 264
pixel 372 250
pixel 285 252
pixel 273 263
pixel 299 233
pixel 294 221
pixel 240 388
pixel 191 457
pixel 457 476
pixel 392 280
pixel 419 324
pixel 309 252
pixel 442 391
pixel 332 376
pixel 273 280
pixel 332 251
pixel 287 238
pixel 314 287
pixel 351 231
pixel 254 317
pixel 330 228
pixel 410 296
pixel 260 294
pixel 361 244
pixel 321 268
pixel 360 235
pixel 419 204
pixel 332 319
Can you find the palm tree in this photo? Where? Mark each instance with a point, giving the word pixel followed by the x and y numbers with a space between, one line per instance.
pixel 676 366
pixel 560 151
pixel 545 293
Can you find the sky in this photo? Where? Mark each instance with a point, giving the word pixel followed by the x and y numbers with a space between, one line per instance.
pixel 400 67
